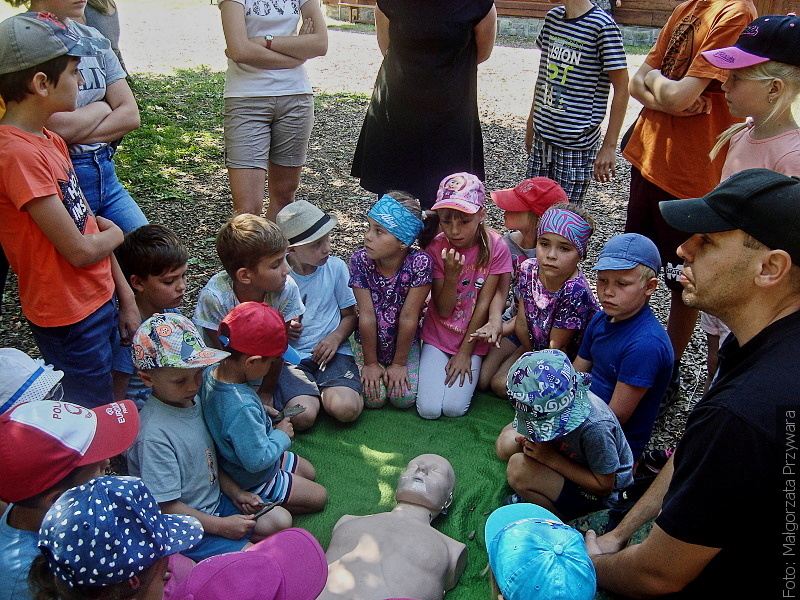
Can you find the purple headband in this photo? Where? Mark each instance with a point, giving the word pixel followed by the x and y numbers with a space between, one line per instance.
pixel 568 225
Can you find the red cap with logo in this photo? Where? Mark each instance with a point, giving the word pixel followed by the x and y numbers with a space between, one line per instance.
pixel 254 328
pixel 42 442
pixel 536 194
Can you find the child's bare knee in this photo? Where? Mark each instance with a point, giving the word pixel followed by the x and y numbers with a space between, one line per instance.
pixel 343 404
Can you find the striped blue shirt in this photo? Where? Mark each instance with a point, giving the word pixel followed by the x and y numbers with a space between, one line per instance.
pixel 572 88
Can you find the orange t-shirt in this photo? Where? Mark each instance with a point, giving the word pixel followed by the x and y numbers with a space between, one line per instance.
pixel 52 292
pixel 672 152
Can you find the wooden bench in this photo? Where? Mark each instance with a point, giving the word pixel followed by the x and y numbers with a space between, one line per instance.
pixel 355 12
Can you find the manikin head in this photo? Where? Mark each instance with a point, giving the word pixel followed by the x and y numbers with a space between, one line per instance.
pixel 428 481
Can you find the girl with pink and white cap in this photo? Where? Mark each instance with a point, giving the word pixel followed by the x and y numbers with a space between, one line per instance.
pixel 763 84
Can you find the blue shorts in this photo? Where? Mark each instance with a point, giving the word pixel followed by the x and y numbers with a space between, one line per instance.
pixel 307 379
pixel 211 544
pixel 574 501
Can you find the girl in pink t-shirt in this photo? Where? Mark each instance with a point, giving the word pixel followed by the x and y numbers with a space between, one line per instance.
pixel 763 84
pixel 470 261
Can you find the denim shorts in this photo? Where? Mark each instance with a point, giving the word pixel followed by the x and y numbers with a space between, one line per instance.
pixel 83 352
pixel 107 198
pixel 307 379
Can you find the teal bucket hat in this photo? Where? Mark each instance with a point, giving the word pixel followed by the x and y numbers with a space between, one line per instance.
pixel 549 396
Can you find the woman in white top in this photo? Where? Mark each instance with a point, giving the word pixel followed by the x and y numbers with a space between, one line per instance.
pixel 269 106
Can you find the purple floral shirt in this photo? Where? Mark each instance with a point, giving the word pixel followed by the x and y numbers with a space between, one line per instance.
pixel 571 307
pixel 389 293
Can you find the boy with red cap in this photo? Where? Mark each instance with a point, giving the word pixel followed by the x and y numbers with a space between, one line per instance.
pixel 253 453
pixel 45 449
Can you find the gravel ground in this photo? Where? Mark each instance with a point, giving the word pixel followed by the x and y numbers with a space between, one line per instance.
pixel 188 38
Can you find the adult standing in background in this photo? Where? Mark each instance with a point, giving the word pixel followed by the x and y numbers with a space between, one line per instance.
pixel 269 105
pixel 103 16
pixel 422 123
pixel 684 112
pixel 106 111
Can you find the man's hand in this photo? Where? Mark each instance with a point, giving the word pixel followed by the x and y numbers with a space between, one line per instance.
pixel 604 544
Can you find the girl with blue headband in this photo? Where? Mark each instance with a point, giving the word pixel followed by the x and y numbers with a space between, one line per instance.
pixel 391 281
pixel 555 300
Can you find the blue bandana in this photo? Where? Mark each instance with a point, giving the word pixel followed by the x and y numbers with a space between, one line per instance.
pixel 396 219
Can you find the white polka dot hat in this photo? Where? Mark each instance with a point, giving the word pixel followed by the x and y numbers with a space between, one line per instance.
pixel 109 530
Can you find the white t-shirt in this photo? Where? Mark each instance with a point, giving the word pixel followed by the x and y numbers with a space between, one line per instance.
pixel 325 294
pixel 267 17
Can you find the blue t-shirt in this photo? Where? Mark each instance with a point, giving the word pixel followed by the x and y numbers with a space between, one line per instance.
pixel 249 449
pixel 18 548
pixel 325 293
pixel 636 351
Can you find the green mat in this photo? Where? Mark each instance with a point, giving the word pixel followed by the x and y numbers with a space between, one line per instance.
pixel 360 463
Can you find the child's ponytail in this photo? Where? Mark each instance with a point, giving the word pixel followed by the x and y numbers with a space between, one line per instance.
pixel 771 69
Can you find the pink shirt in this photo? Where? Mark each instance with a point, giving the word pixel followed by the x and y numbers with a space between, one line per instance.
pixel 447 334
pixel 780 153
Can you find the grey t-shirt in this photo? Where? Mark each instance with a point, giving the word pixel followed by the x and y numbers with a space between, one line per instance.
pixel 98 73
pixel 599 444
pixel 175 455
pixel 518 256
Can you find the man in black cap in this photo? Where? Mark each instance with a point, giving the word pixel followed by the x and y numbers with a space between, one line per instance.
pixel 727 499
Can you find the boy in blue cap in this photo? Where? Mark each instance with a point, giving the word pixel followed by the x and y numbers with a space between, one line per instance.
pixel 625 347
pixel 534 555
pixel 565 448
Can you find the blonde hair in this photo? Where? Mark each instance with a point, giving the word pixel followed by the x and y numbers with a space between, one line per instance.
pixel 484 243
pixel 246 239
pixel 766 71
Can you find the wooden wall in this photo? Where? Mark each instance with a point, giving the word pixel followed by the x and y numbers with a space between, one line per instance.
pixel 650 13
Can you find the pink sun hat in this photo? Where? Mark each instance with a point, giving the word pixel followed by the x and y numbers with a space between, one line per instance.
pixel 460 191
pixel 771 37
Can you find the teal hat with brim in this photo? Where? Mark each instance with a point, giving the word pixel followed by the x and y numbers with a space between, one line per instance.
pixel 550 398
pixel 534 555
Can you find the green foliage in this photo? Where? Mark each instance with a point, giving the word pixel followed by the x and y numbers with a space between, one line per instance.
pixel 180 135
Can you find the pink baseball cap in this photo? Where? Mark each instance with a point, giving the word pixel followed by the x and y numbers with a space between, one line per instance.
pixel 536 194
pixel 289 565
pixel 460 191
pixel 254 328
pixel 771 37
pixel 42 442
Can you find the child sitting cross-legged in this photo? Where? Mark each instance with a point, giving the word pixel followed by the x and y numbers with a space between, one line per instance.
pixel 253 253
pixel 174 453
pixel 625 347
pixel 251 452
pixel 154 262
pixel 327 372
pixel 565 448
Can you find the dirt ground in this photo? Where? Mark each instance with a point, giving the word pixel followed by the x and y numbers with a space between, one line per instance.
pixel 191 37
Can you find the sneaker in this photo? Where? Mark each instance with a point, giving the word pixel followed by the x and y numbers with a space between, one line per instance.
pixel 654 460
pixel 512 499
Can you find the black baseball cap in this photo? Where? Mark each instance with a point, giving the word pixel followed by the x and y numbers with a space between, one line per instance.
pixel 771 37
pixel 760 202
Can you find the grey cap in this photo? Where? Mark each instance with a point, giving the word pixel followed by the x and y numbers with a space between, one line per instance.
pixel 31 38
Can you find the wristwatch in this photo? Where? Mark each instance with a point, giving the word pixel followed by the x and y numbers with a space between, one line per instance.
pixel 268 40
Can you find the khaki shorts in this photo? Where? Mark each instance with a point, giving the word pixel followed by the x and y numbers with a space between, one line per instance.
pixel 267 129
